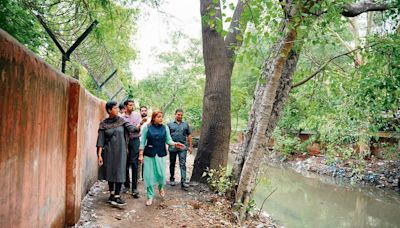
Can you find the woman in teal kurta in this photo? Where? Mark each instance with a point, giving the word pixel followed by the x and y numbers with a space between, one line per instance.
pixel 152 153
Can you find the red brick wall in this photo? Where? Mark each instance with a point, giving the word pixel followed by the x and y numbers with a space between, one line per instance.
pixel 48 129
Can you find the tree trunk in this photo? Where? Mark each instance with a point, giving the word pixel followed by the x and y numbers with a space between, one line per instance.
pixel 282 93
pixel 240 157
pixel 354 29
pixel 219 58
pixel 216 122
pixel 272 71
pixel 370 23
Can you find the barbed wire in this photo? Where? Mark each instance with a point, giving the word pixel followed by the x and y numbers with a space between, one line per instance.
pixel 68 20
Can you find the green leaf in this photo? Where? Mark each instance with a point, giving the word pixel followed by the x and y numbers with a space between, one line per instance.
pixel 212 13
pixel 231 6
pixel 269 4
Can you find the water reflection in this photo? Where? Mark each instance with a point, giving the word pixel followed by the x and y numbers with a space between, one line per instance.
pixel 314 202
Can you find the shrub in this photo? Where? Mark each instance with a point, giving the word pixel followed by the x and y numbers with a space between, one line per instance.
pixel 218 180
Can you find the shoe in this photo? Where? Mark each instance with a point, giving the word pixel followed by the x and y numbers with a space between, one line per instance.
pixel 184 185
pixel 110 199
pixel 149 202
pixel 117 201
pixel 135 194
pixel 172 183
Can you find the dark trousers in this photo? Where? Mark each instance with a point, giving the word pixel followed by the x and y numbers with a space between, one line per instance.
pixel 182 164
pixel 132 161
pixel 115 186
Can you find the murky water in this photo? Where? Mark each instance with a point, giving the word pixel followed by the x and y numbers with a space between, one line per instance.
pixel 316 201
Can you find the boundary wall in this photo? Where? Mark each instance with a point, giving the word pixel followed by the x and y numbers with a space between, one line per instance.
pixel 48 133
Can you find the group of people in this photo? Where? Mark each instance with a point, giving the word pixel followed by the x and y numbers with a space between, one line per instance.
pixel 128 139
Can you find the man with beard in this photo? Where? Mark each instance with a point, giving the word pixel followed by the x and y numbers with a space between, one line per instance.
pixel 143 113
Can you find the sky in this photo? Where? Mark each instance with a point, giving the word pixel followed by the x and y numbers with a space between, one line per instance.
pixel 155 27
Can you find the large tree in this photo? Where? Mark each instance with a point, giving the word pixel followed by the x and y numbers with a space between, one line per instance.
pixel 219 58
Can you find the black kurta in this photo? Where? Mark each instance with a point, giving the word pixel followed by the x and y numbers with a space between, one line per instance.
pixel 112 139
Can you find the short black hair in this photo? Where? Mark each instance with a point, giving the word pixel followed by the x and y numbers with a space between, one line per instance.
pixel 121 106
pixel 143 107
pixel 178 110
pixel 110 105
pixel 127 102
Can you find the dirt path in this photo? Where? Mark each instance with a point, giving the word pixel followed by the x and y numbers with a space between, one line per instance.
pixel 177 210
pixel 197 207
pixel 174 211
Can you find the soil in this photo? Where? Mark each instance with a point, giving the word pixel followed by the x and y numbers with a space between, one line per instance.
pixel 196 207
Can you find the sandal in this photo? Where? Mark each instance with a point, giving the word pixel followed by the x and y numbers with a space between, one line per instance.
pixel 149 202
pixel 162 193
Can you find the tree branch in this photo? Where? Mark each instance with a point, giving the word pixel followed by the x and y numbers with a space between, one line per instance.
pixel 313 60
pixel 231 41
pixel 324 65
pixel 356 9
pixel 169 103
pixel 352 10
pixel 347 46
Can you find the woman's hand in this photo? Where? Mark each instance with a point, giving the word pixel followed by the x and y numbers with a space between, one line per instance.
pixel 179 145
pixel 140 156
pixel 100 160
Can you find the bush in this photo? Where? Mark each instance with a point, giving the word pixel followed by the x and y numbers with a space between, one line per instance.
pixel 286 143
pixel 218 180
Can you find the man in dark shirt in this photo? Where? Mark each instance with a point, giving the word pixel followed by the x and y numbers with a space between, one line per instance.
pixel 133 146
pixel 180 132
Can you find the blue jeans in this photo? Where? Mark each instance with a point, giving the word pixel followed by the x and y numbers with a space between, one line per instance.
pixel 182 164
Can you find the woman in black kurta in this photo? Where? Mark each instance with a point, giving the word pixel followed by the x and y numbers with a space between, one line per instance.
pixel 112 151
